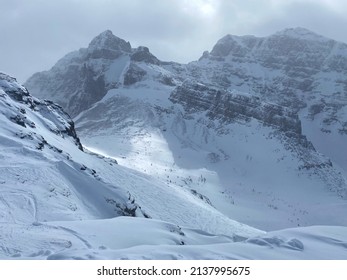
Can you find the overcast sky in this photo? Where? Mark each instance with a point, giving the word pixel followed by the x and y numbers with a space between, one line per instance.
pixel 36 33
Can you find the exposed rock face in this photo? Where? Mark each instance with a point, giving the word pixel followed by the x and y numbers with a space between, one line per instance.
pixel 107 41
pixel 294 68
pixel 70 83
pixel 107 46
pixel 83 77
pixel 228 107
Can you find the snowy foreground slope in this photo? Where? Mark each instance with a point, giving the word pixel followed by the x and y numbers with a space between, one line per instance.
pixel 60 202
pixel 138 238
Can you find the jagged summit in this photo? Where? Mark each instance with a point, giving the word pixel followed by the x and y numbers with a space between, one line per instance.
pixel 107 41
pixel 84 77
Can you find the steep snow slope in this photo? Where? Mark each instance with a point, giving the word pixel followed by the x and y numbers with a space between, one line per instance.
pixel 43 175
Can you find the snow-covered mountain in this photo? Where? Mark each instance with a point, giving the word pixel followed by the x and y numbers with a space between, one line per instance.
pixel 88 74
pixel 253 132
pixel 254 128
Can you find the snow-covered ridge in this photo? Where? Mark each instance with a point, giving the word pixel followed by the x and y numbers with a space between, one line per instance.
pixel 56 119
pixel 250 41
pixel 11 86
pixel 293 49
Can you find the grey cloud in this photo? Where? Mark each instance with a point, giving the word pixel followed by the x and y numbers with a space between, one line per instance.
pixel 317 17
pixel 36 33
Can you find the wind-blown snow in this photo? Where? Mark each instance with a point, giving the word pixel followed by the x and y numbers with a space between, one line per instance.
pixel 136 238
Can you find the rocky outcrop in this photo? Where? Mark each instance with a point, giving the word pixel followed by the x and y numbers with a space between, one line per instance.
pixel 133 75
pixel 61 123
pixel 74 87
pixel 142 54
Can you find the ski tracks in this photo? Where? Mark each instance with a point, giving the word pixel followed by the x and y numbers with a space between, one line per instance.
pixel 18 206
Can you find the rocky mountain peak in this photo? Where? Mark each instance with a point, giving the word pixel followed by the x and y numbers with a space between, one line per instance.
pixel 235 45
pixel 143 54
pixel 224 46
pixel 107 41
pixel 289 39
pixel 297 51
